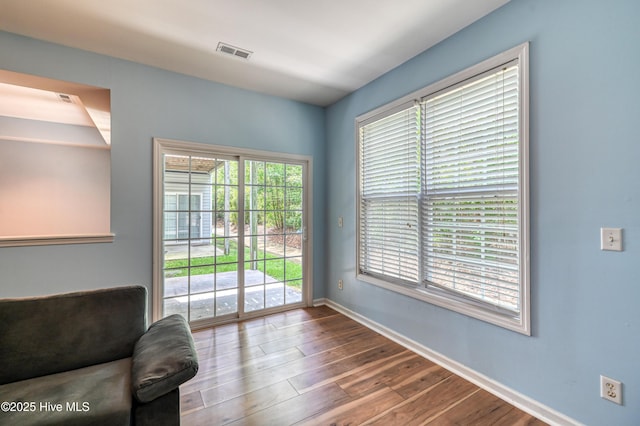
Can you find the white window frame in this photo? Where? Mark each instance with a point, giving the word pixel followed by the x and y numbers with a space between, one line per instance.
pixel 520 321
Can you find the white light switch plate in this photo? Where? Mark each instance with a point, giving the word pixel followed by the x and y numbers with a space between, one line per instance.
pixel 611 239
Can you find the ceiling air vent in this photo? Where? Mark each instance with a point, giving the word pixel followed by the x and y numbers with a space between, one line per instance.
pixel 234 51
pixel 65 98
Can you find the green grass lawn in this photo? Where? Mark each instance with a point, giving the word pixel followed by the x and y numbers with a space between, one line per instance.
pixel 270 264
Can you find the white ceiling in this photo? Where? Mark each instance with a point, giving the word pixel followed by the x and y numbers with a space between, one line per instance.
pixel 310 51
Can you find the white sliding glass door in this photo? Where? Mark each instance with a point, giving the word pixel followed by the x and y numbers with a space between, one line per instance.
pixel 230 233
pixel 199 268
pixel 273 271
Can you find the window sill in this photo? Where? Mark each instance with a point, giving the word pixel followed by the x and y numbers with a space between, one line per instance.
pixel 45 240
pixel 520 324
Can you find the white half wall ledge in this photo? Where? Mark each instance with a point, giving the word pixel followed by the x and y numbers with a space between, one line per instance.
pixel 46 240
pixel 523 402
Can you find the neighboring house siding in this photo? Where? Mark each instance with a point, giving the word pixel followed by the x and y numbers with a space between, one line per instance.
pixel 177 183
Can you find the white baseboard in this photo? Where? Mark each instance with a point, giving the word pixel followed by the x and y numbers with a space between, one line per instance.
pixel 320 302
pixel 505 393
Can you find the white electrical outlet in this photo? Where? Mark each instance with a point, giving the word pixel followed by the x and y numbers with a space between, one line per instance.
pixel 340 285
pixel 611 389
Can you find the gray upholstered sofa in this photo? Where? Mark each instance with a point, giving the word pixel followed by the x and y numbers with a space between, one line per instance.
pixel 87 358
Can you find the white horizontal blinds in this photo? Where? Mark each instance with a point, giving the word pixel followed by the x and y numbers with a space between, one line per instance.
pixel 389 194
pixel 470 206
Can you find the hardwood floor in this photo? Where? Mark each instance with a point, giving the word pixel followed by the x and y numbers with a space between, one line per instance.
pixel 317 367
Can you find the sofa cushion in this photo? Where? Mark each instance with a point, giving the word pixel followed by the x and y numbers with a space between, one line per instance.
pixel 163 358
pixel 96 395
pixel 51 334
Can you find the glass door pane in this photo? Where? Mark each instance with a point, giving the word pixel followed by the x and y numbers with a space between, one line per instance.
pixel 200 261
pixel 273 267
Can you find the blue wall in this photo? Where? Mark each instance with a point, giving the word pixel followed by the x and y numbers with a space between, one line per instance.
pixel 147 102
pixel 584 155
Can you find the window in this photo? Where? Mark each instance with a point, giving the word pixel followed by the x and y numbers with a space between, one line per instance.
pixel 443 193
pixel 177 222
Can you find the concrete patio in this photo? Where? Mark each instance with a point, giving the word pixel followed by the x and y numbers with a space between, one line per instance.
pixel 214 295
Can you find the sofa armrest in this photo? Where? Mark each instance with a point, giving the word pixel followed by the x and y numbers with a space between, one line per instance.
pixel 163 358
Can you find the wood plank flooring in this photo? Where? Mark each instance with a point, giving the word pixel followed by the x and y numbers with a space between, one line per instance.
pixel 317 367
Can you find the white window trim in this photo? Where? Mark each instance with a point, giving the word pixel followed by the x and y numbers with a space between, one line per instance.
pixel 521 322
pixel 46 240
